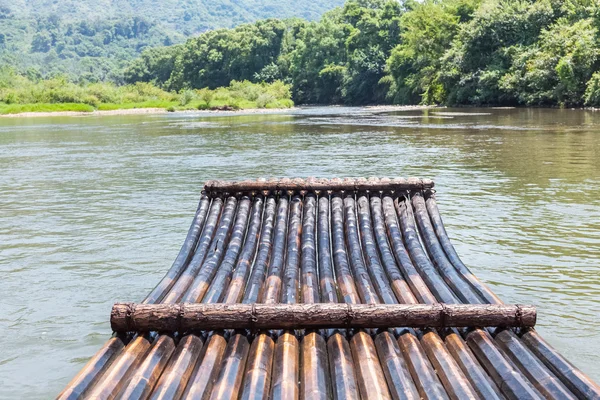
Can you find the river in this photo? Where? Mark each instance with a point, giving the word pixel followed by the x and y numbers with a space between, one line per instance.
pixel 93 210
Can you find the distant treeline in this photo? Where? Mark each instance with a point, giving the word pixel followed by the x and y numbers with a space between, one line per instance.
pixel 471 52
pixel 91 40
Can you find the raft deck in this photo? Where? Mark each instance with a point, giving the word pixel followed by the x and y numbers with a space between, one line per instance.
pixel 354 241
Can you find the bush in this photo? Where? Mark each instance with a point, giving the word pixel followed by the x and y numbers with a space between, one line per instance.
pixel 186 97
pixel 592 91
pixel 264 99
pixel 20 90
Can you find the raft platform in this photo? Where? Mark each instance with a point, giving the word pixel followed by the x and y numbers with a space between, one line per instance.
pixel 324 289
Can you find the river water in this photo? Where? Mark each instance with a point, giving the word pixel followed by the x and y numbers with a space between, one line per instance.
pixel 93 210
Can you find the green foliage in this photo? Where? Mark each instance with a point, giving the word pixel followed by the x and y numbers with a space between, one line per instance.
pixel 245 94
pixel 94 40
pixel 44 107
pixel 340 59
pixel 427 32
pixel 480 52
pixel 20 94
pixel 592 91
pixel 503 52
pixel 557 68
pixel 215 58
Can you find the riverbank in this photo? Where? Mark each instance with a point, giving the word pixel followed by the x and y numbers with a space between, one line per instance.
pixel 155 110
pixel 136 111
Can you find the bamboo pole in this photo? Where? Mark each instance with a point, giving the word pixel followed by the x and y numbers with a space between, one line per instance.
pixel 257 380
pixel 417 285
pixel 249 290
pixel 480 381
pixel 291 273
pixel 273 283
pixel 326 275
pixel 531 367
pixel 579 383
pixel 230 377
pixel 341 365
pixel 453 379
pixel 185 279
pixel 422 372
pixel 309 273
pixel 176 374
pixel 314 371
pixel 222 362
pixel 121 368
pixel 369 373
pixel 398 283
pixel 203 377
pixel 332 251
pixel 371 252
pixel 93 369
pixel 258 368
pixel 314 375
pixel 513 384
pixel 112 350
pixel 285 367
pixel 461 287
pixel 312 184
pixel 396 371
pixel 139 385
pixel 428 272
pixel 440 230
pixel 197 289
pixel 345 282
pixel 185 254
pixel 182 364
pixel 287 348
pixel 364 284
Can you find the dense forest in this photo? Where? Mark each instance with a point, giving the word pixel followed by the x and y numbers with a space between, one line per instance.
pixel 475 52
pixel 453 52
pixel 93 40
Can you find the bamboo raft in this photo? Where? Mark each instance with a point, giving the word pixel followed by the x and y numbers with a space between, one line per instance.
pixel 328 289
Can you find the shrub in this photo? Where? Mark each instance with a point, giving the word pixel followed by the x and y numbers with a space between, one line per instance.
pixel 264 99
pixel 186 97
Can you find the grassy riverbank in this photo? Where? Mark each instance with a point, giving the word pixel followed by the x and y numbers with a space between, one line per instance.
pixel 18 94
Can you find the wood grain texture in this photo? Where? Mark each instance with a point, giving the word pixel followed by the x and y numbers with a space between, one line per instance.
pixel 129 317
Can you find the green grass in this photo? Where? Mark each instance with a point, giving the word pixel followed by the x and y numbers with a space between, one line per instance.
pixel 44 107
pixel 145 104
pixel 19 94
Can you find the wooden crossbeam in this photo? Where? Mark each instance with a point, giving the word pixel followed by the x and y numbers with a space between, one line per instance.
pixel 128 317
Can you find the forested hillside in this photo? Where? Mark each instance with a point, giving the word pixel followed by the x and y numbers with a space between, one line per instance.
pixel 483 52
pixel 94 39
pixel 455 52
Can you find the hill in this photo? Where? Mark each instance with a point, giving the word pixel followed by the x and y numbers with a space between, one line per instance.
pixel 95 39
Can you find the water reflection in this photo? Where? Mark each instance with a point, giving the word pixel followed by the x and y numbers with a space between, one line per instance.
pixel 93 210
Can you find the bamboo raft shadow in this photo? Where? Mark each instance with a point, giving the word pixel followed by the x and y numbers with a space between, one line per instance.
pixel 317 288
